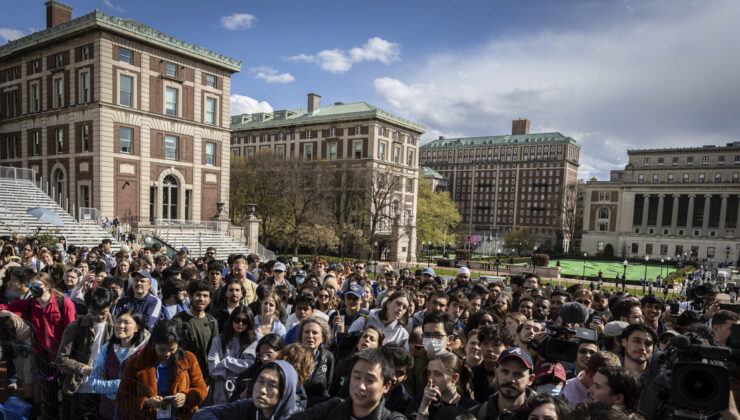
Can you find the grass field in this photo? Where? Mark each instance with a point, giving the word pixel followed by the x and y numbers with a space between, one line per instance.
pixel 635 271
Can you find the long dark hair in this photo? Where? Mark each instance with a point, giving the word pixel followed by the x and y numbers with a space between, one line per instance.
pixel 247 337
pixel 138 319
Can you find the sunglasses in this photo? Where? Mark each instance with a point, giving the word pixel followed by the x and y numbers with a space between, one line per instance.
pixel 323 296
pixel 584 302
pixel 587 351
pixel 243 321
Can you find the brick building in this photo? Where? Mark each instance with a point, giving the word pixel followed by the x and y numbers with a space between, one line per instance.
pixel 355 140
pixel 504 182
pixel 118 116
pixel 677 203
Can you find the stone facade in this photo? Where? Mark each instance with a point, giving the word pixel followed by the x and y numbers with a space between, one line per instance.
pixel 668 203
pixel 85 104
pixel 504 182
pixel 354 140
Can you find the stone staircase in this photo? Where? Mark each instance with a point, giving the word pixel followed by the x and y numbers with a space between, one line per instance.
pixel 18 195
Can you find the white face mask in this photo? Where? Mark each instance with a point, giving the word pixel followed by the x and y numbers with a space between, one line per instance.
pixel 433 346
pixel 552 389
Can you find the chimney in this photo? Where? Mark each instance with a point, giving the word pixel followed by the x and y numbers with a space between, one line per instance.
pixel 441 137
pixel 314 102
pixel 57 13
pixel 520 127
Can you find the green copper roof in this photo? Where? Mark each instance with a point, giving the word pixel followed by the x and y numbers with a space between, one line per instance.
pixel 509 140
pixel 323 114
pixel 427 172
pixel 704 149
pixel 126 26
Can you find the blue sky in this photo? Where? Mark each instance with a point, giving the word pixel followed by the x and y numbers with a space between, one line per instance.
pixel 613 74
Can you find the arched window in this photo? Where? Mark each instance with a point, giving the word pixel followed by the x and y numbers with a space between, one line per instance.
pixel 603 213
pixel 170 197
pixel 602 221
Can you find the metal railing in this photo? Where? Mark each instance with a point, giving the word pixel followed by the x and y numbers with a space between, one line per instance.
pixel 264 253
pixel 10 172
pixel 90 215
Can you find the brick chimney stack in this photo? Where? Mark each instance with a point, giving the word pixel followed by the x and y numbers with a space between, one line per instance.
pixel 57 13
pixel 520 127
pixel 314 102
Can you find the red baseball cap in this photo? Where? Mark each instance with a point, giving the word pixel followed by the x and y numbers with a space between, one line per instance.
pixel 550 370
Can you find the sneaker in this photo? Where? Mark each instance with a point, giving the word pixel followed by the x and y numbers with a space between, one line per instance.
pixel 13 386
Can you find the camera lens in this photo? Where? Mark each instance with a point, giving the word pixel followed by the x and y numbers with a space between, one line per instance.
pixel 699 385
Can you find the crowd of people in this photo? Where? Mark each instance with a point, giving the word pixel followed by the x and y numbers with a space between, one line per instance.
pixel 92 333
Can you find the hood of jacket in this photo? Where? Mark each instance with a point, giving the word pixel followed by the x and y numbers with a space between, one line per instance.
pixel 286 406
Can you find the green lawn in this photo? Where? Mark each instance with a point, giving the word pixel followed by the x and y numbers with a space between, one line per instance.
pixel 635 271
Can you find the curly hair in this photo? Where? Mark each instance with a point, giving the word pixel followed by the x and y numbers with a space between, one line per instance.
pixel 301 358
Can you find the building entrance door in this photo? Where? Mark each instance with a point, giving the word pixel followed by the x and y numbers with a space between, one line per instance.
pixel 170 193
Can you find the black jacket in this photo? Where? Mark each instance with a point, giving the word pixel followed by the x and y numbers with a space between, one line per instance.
pixel 490 411
pixel 339 409
pixel 481 386
pixel 318 385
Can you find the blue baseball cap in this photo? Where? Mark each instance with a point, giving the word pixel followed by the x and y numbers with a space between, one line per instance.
pixel 143 273
pixel 516 353
pixel 186 249
pixel 357 290
pixel 301 273
pixel 428 270
pixel 278 267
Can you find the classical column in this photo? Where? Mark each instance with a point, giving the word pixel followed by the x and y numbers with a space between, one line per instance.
pixel 722 215
pixel 705 219
pixel 674 215
pixel 690 213
pixel 659 218
pixel 645 207
pixel 737 224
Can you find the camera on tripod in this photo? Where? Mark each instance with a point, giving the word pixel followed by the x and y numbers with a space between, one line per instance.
pixel 689 377
pixel 698 294
pixel 558 346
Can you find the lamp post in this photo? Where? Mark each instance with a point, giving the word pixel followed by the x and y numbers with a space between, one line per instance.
pixel 583 277
pixel 624 274
pixel 661 267
pixel 375 245
pixel 727 256
pixel 646 263
pixel 429 254
pixel 498 260
pixel 534 266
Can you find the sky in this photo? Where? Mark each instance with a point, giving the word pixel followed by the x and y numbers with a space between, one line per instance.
pixel 613 74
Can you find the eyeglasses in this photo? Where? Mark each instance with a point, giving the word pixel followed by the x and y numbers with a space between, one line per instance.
pixel 437 336
pixel 585 302
pixel 243 321
pixel 323 296
pixel 587 351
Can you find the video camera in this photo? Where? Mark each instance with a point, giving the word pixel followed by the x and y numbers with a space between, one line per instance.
pixel 689 377
pixel 558 346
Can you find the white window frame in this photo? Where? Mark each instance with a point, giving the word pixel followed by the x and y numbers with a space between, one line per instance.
pixel 381 150
pixel 178 101
pixel 171 69
pixel 58 141
pixel 130 141
pixel 126 55
pixel 85 138
pixel 60 60
pixel 85 52
pixel 212 155
pixel 306 148
pixel 397 154
pixel 213 113
pixel 177 147
pixel 355 150
pixel 85 90
pixel 58 93
pixel 211 81
pixel 35 96
pixel 36 143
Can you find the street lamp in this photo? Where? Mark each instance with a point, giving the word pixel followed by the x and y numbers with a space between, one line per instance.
pixel 534 266
pixel 624 274
pixel 498 260
pixel 583 277
pixel 661 267
pixel 646 263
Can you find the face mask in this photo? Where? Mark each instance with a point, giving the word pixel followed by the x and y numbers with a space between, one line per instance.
pixel 300 280
pixel 433 346
pixel 552 389
pixel 36 290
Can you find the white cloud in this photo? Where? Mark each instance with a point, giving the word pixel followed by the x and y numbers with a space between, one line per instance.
pixel 661 79
pixel 338 61
pixel 270 75
pixel 112 6
pixel 9 34
pixel 237 21
pixel 241 104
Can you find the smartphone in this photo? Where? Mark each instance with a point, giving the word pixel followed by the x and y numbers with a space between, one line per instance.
pixel 168 398
pixel 730 307
pixel 597 320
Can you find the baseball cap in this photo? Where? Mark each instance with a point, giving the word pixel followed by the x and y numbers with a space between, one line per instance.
pixel 550 370
pixel 278 267
pixel 464 270
pixel 186 249
pixel 357 290
pixel 517 353
pixel 143 273
pixel 614 328
pixel 300 273
pixel 428 270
